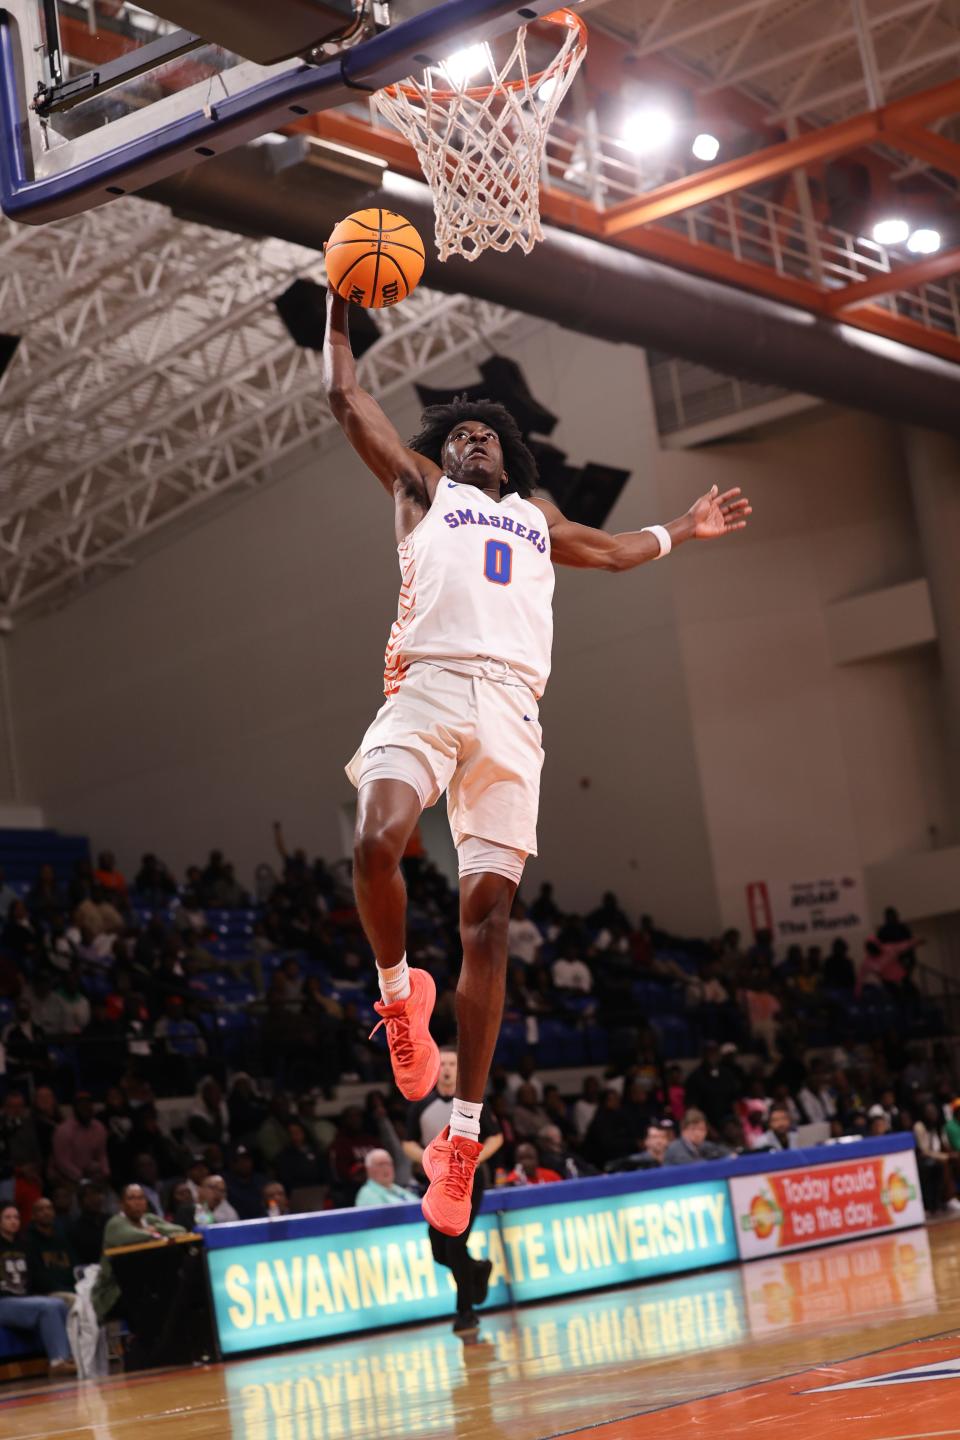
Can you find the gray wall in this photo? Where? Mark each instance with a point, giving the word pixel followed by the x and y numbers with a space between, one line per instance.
pixel 697 734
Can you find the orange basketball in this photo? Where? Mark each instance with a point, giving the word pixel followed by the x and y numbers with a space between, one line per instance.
pixel 374 258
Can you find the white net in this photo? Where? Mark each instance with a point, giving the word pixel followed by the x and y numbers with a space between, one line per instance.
pixel 481 146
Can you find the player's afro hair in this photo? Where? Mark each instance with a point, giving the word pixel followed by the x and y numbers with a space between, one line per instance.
pixel 438 420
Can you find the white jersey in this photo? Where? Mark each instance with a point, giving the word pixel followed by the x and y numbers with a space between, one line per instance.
pixel 476 586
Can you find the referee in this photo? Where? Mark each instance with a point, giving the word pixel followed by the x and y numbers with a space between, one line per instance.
pixel 425 1120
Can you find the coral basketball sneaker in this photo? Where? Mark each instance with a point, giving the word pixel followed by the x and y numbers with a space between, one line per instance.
pixel 414 1055
pixel 449 1163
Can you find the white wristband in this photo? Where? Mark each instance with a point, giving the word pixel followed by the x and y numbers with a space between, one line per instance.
pixel 663 538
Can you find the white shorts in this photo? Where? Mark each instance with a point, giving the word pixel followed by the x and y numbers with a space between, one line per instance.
pixel 481 741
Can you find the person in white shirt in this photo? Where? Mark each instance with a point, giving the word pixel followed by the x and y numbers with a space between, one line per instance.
pixel 570 972
pixel 523 937
pixel 586 1107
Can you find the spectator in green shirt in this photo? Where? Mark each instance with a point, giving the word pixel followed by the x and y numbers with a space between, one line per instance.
pixel 952 1128
pixel 133 1225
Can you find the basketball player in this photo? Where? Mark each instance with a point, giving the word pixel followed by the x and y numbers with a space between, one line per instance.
pixel 467 661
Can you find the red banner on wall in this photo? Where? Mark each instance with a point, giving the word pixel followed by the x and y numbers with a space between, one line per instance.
pixel 787 1209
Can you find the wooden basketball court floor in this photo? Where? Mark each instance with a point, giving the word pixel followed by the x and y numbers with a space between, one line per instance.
pixel 862 1340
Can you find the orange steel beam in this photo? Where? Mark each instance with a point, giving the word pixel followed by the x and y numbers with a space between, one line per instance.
pixel 929 147
pixel 906 331
pixel 776 160
pixel 904 277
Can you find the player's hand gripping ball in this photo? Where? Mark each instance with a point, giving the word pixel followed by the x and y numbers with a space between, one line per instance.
pixel 374 258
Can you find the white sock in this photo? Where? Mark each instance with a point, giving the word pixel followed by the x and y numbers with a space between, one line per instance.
pixel 465 1119
pixel 394 981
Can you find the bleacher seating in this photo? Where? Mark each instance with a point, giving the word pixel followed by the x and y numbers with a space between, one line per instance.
pixel 22 852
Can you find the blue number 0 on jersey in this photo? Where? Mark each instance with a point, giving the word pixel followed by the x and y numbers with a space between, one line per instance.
pixel 497 562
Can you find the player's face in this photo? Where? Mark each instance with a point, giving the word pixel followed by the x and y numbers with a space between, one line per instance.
pixel 472 453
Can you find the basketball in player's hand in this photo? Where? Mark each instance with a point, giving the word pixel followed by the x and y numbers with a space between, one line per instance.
pixel 374 258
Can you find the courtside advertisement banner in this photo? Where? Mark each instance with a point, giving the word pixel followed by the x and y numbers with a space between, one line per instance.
pixel 315 1285
pixel 788 1209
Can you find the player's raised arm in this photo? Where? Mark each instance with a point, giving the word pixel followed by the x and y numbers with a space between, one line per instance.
pixel 708 518
pixel 359 416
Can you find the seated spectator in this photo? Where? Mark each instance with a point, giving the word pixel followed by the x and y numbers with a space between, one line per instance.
pixel 585 1107
pixel 544 910
pixel 209 1120
pixel 528 1170
pixel 180 1045
pixel 762 1007
pixel 147 1137
pixel 80 1145
pixel 20 936
pixel 245 1185
pixel 838 971
pixel 691 1145
pixel 46 900
pixel 108 879
pixel 46 1007
pixel 298 1165
pixel 569 972
pixel 523 937
pixel 777 1134
pixel 878 1121
pixel 154 884
pixel 932 1154
pixel 524 1075
pixel 132 1225
pixel 528 1116
pixel 75 1005
pixel 246 1107
pixel 211 1208
pixel 714 1086
pixel 85 1230
pixel 655 1142
pixel 146 1174
pixel 20 1309
pixel 21 1178
pixel 381 1187
pixel 275 1200
pixel 350 1148
pixel 46 1118
pixel 25 1044
pixel 815 1098
pixel 610 1136
pixel 555 1154
pixel 882 964
pixel 49 1258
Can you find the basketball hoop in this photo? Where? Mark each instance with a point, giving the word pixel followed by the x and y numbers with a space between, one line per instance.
pixel 481 146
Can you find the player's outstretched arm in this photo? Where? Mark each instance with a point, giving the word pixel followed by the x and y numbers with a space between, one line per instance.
pixel 709 518
pixel 359 416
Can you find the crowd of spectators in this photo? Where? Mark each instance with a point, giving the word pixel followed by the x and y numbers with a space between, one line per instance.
pixel 115 993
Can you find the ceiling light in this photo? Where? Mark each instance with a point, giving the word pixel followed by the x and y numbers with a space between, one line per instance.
pixel 648 129
pixel 464 64
pixel 924 242
pixel 891 232
pixel 706 147
pixel 546 88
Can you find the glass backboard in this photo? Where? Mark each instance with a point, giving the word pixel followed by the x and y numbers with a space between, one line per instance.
pixel 100 98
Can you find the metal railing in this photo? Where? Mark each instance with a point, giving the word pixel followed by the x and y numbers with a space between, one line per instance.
pixel 581 161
